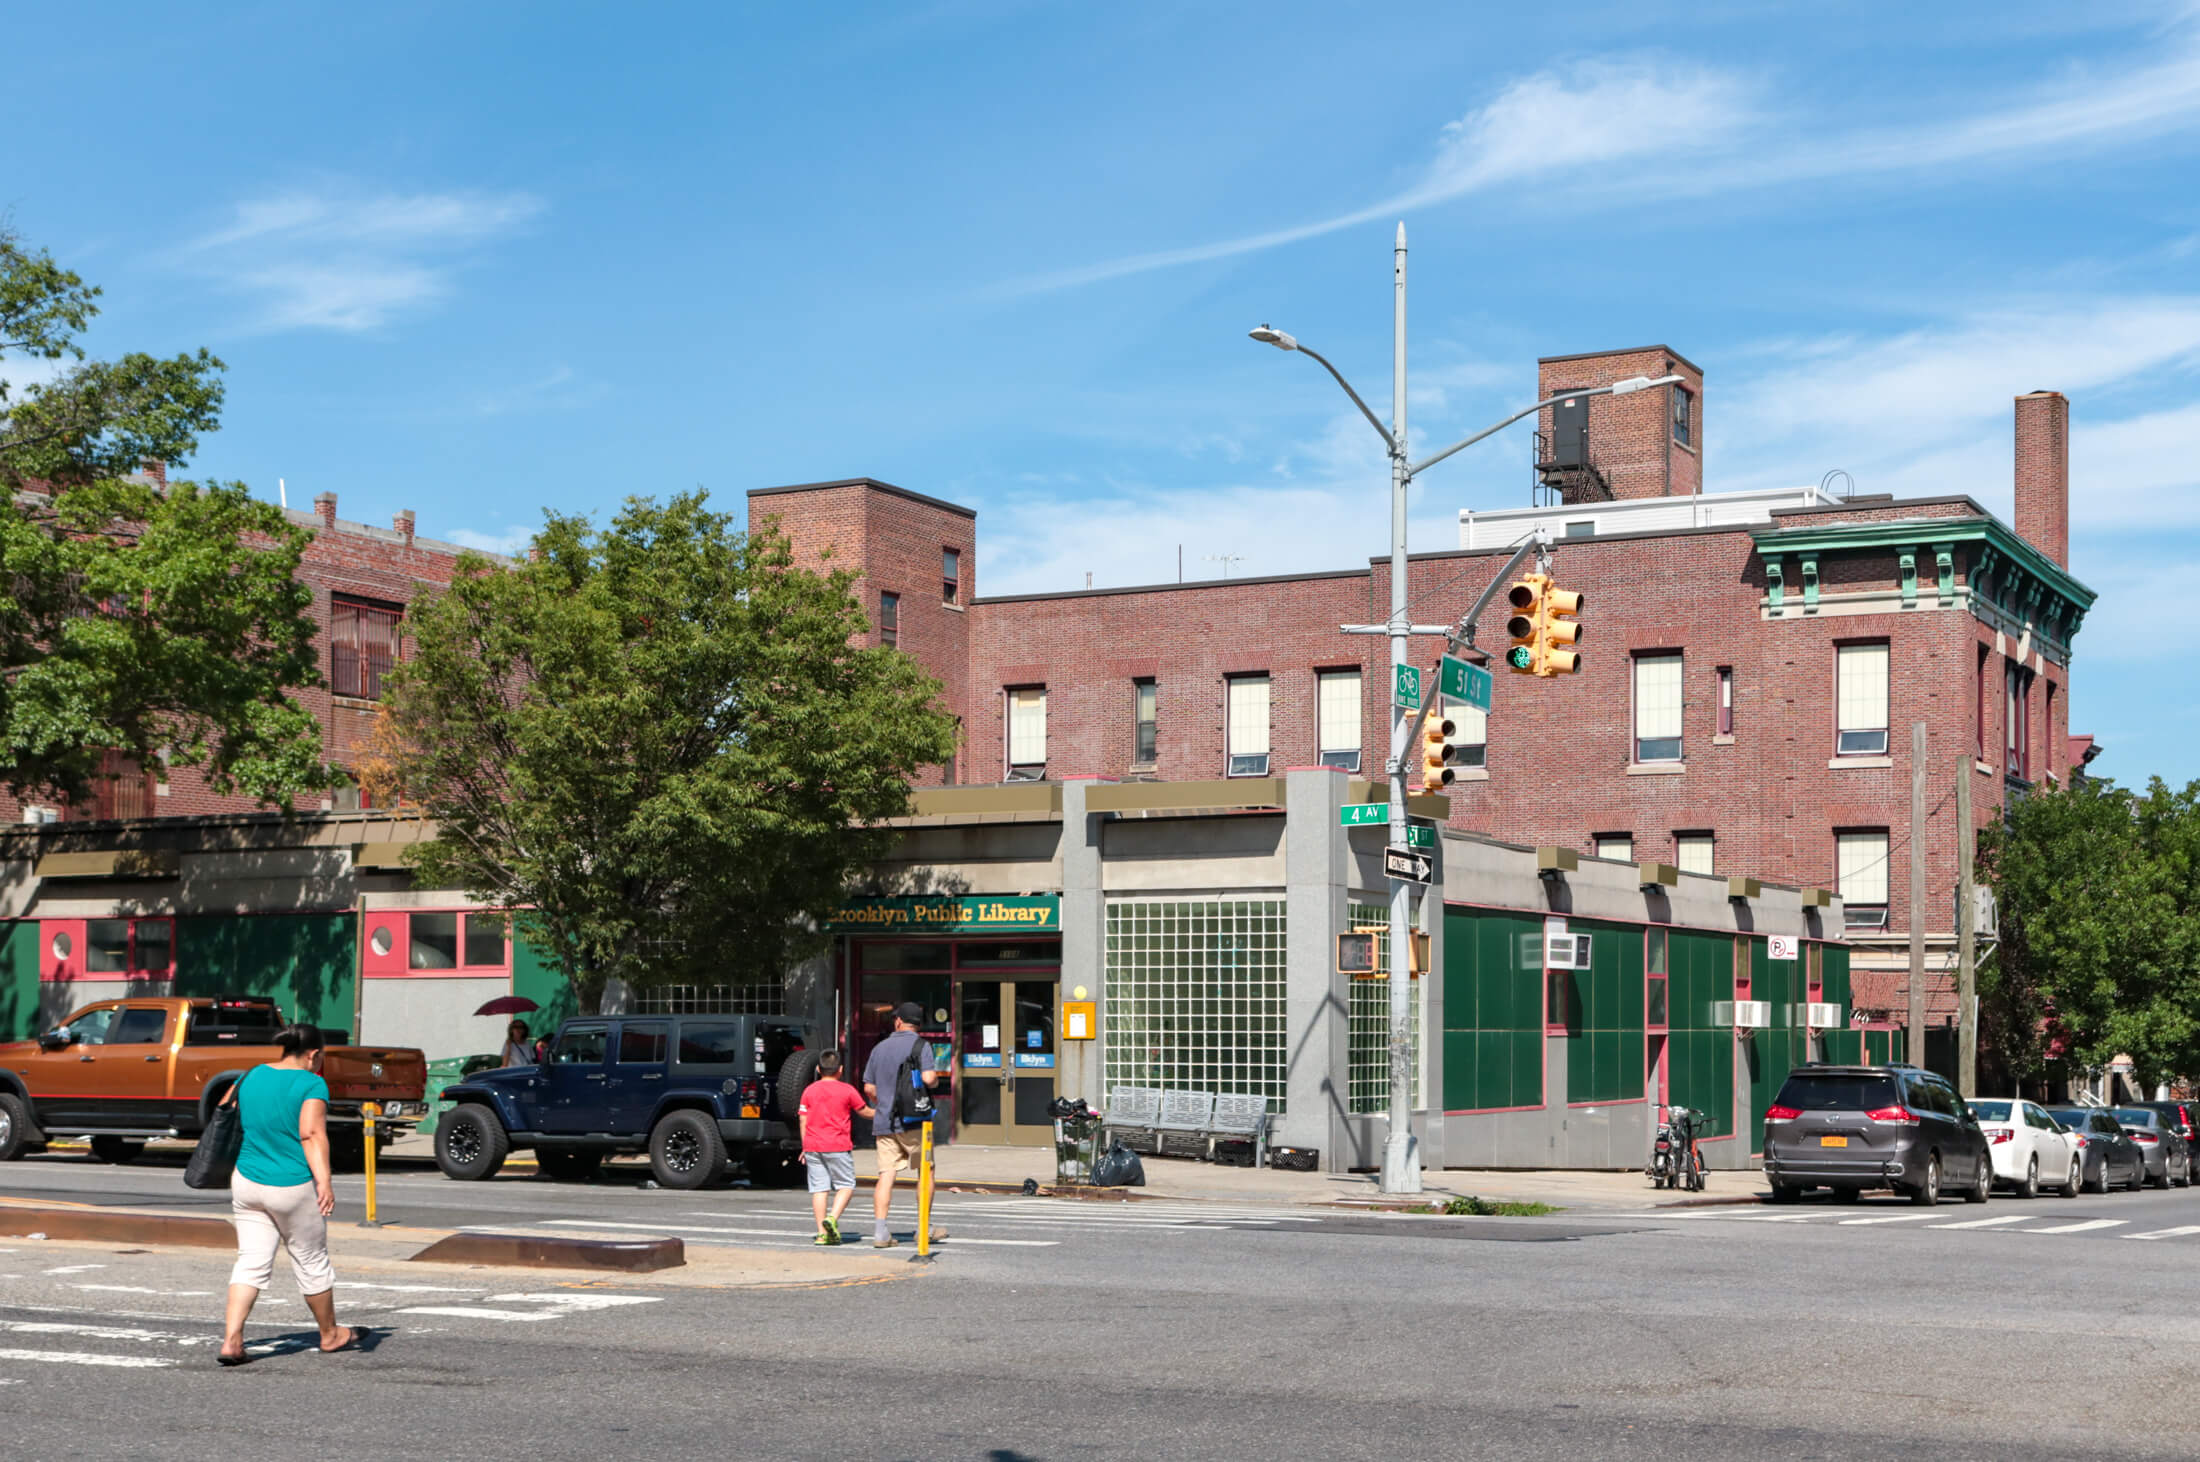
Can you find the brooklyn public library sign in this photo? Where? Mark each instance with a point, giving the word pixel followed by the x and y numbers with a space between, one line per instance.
pixel 949 914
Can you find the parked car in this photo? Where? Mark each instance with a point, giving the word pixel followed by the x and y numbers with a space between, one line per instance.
pixel 124 1071
pixel 2183 1117
pixel 2110 1158
pixel 2029 1147
pixel 693 1091
pixel 1856 1127
pixel 2169 1160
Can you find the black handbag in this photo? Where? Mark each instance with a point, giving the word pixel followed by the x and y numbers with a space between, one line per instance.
pixel 215 1158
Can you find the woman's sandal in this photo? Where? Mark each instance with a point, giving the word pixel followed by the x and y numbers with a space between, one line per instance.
pixel 243 1358
pixel 358 1333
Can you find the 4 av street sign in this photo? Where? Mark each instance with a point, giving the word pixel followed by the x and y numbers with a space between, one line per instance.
pixel 1410 864
pixel 1463 681
pixel 1360 814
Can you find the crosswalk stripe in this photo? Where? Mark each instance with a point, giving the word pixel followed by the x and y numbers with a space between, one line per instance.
pixel 1986 1222
pixel 1892 1218
pixel 2166 1233
pixel 2078 1228
pixel 89 1358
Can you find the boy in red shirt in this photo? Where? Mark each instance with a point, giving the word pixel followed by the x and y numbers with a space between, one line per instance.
pixel 829 1109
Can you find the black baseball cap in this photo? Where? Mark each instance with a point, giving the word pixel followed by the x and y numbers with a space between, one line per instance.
pixel 909 1011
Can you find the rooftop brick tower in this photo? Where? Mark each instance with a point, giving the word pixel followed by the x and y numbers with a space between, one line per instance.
pixel 1648 444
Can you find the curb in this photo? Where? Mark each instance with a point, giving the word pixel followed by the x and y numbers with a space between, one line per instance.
pixel 109 1226
pixel 529 1251
pixel 1749 1198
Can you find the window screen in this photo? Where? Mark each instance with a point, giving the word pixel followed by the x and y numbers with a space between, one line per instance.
pixel 1692 852
pixel 1248 725
pixel 1657 708
pixel 1862 693
pixel 1863 867
pixel 1340 719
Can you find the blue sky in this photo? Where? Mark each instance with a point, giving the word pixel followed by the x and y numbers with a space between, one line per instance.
pixel 480 260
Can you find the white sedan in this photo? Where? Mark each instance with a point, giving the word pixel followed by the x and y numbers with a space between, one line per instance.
pixel 2030 1149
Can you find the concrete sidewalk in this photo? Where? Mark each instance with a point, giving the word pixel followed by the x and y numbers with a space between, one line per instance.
pixel 1183 1178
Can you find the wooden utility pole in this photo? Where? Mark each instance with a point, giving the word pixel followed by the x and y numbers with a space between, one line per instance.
pixel 1966 937
pixel 1916 1040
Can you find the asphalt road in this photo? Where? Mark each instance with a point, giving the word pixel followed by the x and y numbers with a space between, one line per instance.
pixel 1159 1330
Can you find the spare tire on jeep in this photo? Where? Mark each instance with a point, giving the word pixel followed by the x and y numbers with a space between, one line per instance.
pixel 795 1075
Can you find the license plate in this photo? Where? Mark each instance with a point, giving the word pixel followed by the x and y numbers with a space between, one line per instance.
pixel 1833 1142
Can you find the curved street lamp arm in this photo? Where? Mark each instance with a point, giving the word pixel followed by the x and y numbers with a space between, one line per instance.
pixel 1372 419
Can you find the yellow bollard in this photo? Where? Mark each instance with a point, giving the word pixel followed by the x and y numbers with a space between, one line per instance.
pixel 924 1194
pixel 368 1111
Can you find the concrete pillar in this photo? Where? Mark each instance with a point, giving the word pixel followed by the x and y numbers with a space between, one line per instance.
pixel 1084 942
pixel 1316 1006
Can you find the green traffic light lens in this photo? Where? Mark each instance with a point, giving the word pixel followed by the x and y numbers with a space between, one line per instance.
pixel 1518 657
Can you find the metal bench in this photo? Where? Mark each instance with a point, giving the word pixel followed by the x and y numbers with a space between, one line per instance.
pixel 1196 1124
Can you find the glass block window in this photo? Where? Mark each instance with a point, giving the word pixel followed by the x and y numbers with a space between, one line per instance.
pixel 1861 687
pixel 1248 715
pixel 1657 708
pixel 1195 991
pixel 763 999
pixel 1340 719
pixel 1368 1062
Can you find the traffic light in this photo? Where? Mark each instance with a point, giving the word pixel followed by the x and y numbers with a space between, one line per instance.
pixel 1542 627
pixel 1439 748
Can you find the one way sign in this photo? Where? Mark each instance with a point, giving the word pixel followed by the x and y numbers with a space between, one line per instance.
pixel 1411 864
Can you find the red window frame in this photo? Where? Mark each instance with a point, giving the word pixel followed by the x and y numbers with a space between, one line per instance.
pixel 1658 937
pixel 388 951
pixel 363 639
pixel 55 966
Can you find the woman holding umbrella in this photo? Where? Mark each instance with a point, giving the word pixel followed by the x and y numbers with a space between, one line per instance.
pixel 518 1050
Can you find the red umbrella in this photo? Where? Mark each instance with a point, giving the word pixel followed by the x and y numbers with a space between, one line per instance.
pixel 508 1005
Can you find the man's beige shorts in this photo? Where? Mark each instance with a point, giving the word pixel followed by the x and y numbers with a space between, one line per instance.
pixel 899 1151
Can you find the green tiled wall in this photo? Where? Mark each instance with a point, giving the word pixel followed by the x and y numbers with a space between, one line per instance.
pixel 1604 1045
pixel 1493 1010
pixel 1699 1055
pixel 1846 1045
pixel 19 980
pixel 534 976
pixel 306 963
pixel 1774 1052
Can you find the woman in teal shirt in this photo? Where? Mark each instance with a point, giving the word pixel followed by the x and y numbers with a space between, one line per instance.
pixel 280 1196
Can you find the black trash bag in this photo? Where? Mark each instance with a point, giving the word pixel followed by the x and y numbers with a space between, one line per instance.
pixel 1062 1108
pixel 1118 1167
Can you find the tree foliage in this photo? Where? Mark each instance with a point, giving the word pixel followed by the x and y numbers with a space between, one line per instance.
pixel 656 744
pixel 2100 930
pixel 135 618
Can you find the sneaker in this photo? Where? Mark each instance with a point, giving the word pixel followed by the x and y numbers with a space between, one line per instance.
pixel 885 1243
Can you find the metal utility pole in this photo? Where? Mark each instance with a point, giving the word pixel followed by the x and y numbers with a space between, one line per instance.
pixel 1401 1154
pixel 1966 937
pixel 1916 1040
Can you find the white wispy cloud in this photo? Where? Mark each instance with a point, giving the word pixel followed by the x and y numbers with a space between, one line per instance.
pixel 337 258
pixel 511 542
pixel 1689 130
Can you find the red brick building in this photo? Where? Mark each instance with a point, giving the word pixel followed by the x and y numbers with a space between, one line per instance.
pixel 1753 662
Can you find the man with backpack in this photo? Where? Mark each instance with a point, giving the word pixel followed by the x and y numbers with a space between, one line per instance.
pixel 898 1081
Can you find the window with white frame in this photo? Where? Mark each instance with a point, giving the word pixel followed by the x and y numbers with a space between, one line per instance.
pixel 1247 714
pixel 1692 852
pixel 1860 686
pixel 1861 861
pixel 1474 734
pixel 1338 710
pixel 1620 847
pixel 1658 707
pixel 1027 734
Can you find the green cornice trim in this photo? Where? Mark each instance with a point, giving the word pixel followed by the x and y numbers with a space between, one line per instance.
pixel 1992 536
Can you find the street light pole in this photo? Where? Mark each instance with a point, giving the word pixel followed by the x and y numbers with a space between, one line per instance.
pixel 1401 1161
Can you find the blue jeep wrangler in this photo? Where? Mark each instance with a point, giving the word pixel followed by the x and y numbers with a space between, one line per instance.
pixel 693 1091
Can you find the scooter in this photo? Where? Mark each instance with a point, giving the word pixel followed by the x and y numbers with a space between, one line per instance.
pixel 1675 1159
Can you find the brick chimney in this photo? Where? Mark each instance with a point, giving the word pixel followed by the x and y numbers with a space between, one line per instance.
pixel 156 472
pixel 2043 473
pixel 324 507
pixel 403 523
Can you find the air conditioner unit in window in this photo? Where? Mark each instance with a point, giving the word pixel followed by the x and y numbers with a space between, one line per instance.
pixel 1742 1014
pixel 1825 1016
pixel 1566 951
pixel 36 814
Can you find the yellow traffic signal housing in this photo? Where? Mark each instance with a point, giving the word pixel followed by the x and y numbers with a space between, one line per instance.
pixel 1527 614
pixel 1437 749
pixel 1560 629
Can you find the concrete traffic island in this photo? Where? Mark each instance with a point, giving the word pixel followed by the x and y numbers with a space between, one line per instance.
pixel 541 1251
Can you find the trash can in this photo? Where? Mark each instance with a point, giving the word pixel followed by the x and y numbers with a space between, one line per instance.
pixel 1076 1141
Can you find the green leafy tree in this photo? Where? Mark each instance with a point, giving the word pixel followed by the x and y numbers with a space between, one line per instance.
pixel 658 746
pixel 135 618
pixel 2100 930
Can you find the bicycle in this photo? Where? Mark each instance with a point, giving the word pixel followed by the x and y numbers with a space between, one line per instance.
pixel 1676 1159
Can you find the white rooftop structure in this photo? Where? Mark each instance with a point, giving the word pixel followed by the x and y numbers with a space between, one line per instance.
pixel 1506 527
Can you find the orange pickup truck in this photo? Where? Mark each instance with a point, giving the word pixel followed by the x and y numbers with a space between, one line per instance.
pixel 123 1071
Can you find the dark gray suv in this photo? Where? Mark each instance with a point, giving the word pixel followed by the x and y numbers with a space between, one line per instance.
pixel 1849 1128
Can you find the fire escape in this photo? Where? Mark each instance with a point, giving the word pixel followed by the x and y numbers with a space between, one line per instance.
pixel 1566 470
